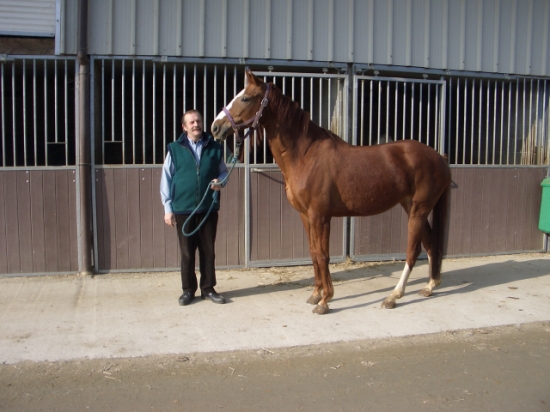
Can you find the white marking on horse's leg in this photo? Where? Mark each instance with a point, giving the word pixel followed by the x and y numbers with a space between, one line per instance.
pixel 221 114
pixel 399 290
pixel 428 290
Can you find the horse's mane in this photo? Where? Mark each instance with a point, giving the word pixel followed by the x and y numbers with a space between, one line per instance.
pixel 292 116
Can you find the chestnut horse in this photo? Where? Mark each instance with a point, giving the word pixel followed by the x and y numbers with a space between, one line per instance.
pixel 325 177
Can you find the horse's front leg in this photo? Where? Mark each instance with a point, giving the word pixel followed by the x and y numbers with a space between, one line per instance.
pixel 316 296
pixel 320 255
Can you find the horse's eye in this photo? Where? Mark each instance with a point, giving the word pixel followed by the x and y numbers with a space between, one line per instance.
pixel 245 99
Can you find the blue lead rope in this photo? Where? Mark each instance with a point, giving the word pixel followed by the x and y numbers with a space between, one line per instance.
pixel 215 197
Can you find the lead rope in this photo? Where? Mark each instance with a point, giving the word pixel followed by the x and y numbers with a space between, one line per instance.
pixel 215 195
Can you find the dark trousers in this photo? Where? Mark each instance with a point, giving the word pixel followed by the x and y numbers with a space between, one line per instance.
pixel 204 241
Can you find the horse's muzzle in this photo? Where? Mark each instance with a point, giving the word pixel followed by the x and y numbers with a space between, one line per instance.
pixel 220 130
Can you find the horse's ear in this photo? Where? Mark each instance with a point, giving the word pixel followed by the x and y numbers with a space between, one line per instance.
pixel 251 78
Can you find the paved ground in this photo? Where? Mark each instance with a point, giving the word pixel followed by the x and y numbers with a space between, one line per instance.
pixel 121 342
pixel 129 315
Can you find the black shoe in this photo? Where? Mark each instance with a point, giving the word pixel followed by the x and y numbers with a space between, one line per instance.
pixel 186 298
pixel 213 296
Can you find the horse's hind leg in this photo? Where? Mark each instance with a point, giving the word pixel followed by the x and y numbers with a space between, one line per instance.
pixel 428 246
pixel 415 227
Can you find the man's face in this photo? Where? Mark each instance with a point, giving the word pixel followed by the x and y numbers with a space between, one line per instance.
pixel 193 126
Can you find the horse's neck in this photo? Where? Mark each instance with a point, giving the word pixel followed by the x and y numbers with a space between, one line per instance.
pixel 287 142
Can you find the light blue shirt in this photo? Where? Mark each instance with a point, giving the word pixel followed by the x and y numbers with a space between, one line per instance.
pixel 168 172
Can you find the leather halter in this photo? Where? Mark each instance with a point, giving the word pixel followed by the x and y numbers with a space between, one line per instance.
pixel 254 120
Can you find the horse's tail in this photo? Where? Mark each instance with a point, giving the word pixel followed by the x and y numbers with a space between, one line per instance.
pixel 439 233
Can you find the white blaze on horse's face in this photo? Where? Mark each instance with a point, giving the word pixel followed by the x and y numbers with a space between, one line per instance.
pixel 221 115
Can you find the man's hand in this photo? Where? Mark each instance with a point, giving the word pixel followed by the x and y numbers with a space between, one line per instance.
pixel 216 187
pixel 170 219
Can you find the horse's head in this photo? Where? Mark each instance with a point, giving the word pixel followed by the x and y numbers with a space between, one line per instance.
pixel 244 110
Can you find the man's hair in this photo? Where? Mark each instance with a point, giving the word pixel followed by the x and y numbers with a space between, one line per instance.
pixel 190 112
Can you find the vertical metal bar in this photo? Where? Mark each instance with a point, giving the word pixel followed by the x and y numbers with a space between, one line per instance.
pixel 112 139
pixel 329 102
pixel 412 111
pixel 3 109
pixel 66 113
pixel 395 114
pixel 523 127
pixel 134 154
pixel 24 84
pixel 546 122
pixel 379 109
pixel 46 111
pixel 154 79
pixel 404 109
pixel 420 109
pixel 174 104
pixel 465 126
pixel 311 97
pixel 55 92
pixel 457 141
pixel 501 121
pixel 34 112
pixel 428 112
pixel 205 94
pixel 103 111
pixel 163 106
pixel 13 122
pixel 537 152
pixel 143 117
pixel 480 129
pixel 123 114
pixel 184 88
pixel 387 109
pixel 360 114
pixel 487 122
pixel 516 123
pixel 509 134
pixel 371 92
pixel 321 102
pixel 194 87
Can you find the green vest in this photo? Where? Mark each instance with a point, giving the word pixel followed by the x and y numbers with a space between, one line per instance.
pixel 190 180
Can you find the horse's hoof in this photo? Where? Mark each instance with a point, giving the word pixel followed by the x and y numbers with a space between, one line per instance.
pixel 388 303
pixel 321 309
pixel 314 299
pixel 425 292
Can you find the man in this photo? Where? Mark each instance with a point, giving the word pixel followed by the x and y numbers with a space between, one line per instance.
pixel 193 163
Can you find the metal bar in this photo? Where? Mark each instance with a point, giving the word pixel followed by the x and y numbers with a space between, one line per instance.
pixel 174 101
pixel 320 102
pixel 205 94
pixel 194 86
pixel 501 121
pixel 370 111
pixel 465 123
pixel 24 84
pixel 163 107
pixel 55 92
pixel 396 109
pixel 143 117
pixel 45 113
pixel 404 110
pixel 487 122
pixel 457 132
pixel 35 111
pixel 3 108
pixel 379 105
pixel 479 122
pixel 360 115
pixel 66 113
pixel 123 114
pixel 112 139
pixel 516 124
pixel 134 154
pixel 428 112
pixel 154 79
pixel 420 123
pixel 102 111
pixel 509 125
pixel 412 111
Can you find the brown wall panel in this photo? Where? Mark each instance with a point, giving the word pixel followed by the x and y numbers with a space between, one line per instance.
pixel 493 210
pixel 131 233
pixel 38 219
pixel 277 231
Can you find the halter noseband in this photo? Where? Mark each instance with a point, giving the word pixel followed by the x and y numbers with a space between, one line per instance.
pixel 254 120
